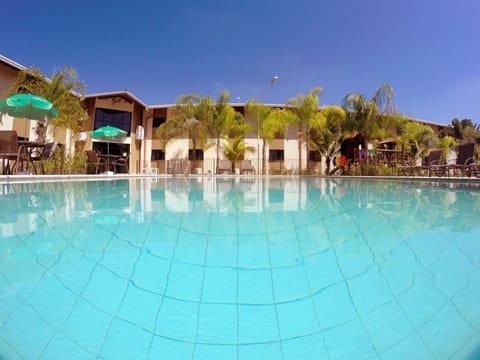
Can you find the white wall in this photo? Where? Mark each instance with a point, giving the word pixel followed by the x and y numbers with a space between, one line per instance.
pixel 177 148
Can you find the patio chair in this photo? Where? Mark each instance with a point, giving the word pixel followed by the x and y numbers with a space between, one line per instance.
pixel 95 164
pixel 465 160
pixel 476 170
pixel 121 164
pixel 13 156
pixel 46 153
pixel 246 167
pixel 406 167
pixel 433 159
pixel 224 166
pixel 434 166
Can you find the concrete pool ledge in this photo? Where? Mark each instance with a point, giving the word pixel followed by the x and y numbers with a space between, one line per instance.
pixel 83 177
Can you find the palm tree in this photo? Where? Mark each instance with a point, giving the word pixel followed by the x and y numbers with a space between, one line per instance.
pixel 465 130
pixel 221 120
pixel 327 137
pixel 417 137
pixel 305 108
pixel 201 119
pixel 259 112
pixel 235 149
pixel 368 116
pixel 187 120
pixel 63 90
pixel 271 121
pixel 447 143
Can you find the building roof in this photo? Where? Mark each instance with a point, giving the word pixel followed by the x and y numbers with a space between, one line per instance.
pixel 11 63
pixel 163 106
pixel 427 122
pixel 123 93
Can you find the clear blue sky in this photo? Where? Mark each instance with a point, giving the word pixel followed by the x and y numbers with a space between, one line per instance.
pixel 427 50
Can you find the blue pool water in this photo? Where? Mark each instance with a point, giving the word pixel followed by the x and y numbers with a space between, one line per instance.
pixel 230 268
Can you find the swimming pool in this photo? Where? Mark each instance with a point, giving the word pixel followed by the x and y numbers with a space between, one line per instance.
pixel 239 268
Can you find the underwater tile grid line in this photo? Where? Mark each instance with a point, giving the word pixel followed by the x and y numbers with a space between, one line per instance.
pixel 240 268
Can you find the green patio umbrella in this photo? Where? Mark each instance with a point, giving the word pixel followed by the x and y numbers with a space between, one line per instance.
pixel 109 133
pixel 28 106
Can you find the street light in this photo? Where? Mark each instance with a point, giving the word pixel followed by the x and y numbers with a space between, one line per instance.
pixel 272 80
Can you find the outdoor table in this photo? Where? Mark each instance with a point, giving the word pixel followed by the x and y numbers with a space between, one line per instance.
pixel 109 159
pixel 26 149
pixel 22 157
pixel 6 157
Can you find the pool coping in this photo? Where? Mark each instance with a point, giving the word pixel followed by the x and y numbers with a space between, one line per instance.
pixel 20 178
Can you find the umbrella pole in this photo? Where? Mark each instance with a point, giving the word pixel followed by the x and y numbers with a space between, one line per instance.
pixel 27 121
pixel 25 135
pixel 108 158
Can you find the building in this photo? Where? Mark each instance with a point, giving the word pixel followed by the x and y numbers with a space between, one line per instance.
pixel 144 151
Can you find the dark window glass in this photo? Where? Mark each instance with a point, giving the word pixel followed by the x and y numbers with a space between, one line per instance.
pixel 119 119
pixel 315 156
pixel 111 148
pixel 158 155
pixel 158 121
pixel 276 155
pixel 199 154
pixel 239 109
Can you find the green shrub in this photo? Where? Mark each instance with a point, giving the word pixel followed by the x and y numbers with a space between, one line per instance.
pixel 76 164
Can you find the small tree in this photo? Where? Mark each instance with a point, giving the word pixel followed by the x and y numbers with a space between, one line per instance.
pixel 446 143
pixel 418 137
pixel 235 149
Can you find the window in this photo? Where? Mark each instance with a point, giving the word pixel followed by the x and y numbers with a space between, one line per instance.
pixel 158 155
pixel 111 148
pixel 199 154
pixel 158 121
pixel 276 155
pixel 315 156
pixel 119 119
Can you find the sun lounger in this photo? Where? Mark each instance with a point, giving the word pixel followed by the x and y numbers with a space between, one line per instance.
pixel 224 166
pixel 246 167
pixel 433 159
pixel 465 159
pixel 464 162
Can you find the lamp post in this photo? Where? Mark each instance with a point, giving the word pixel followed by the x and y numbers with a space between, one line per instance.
pixel 272 80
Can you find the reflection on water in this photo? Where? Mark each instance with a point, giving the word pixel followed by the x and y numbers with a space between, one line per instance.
pixel 409 205
pixel 303 267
